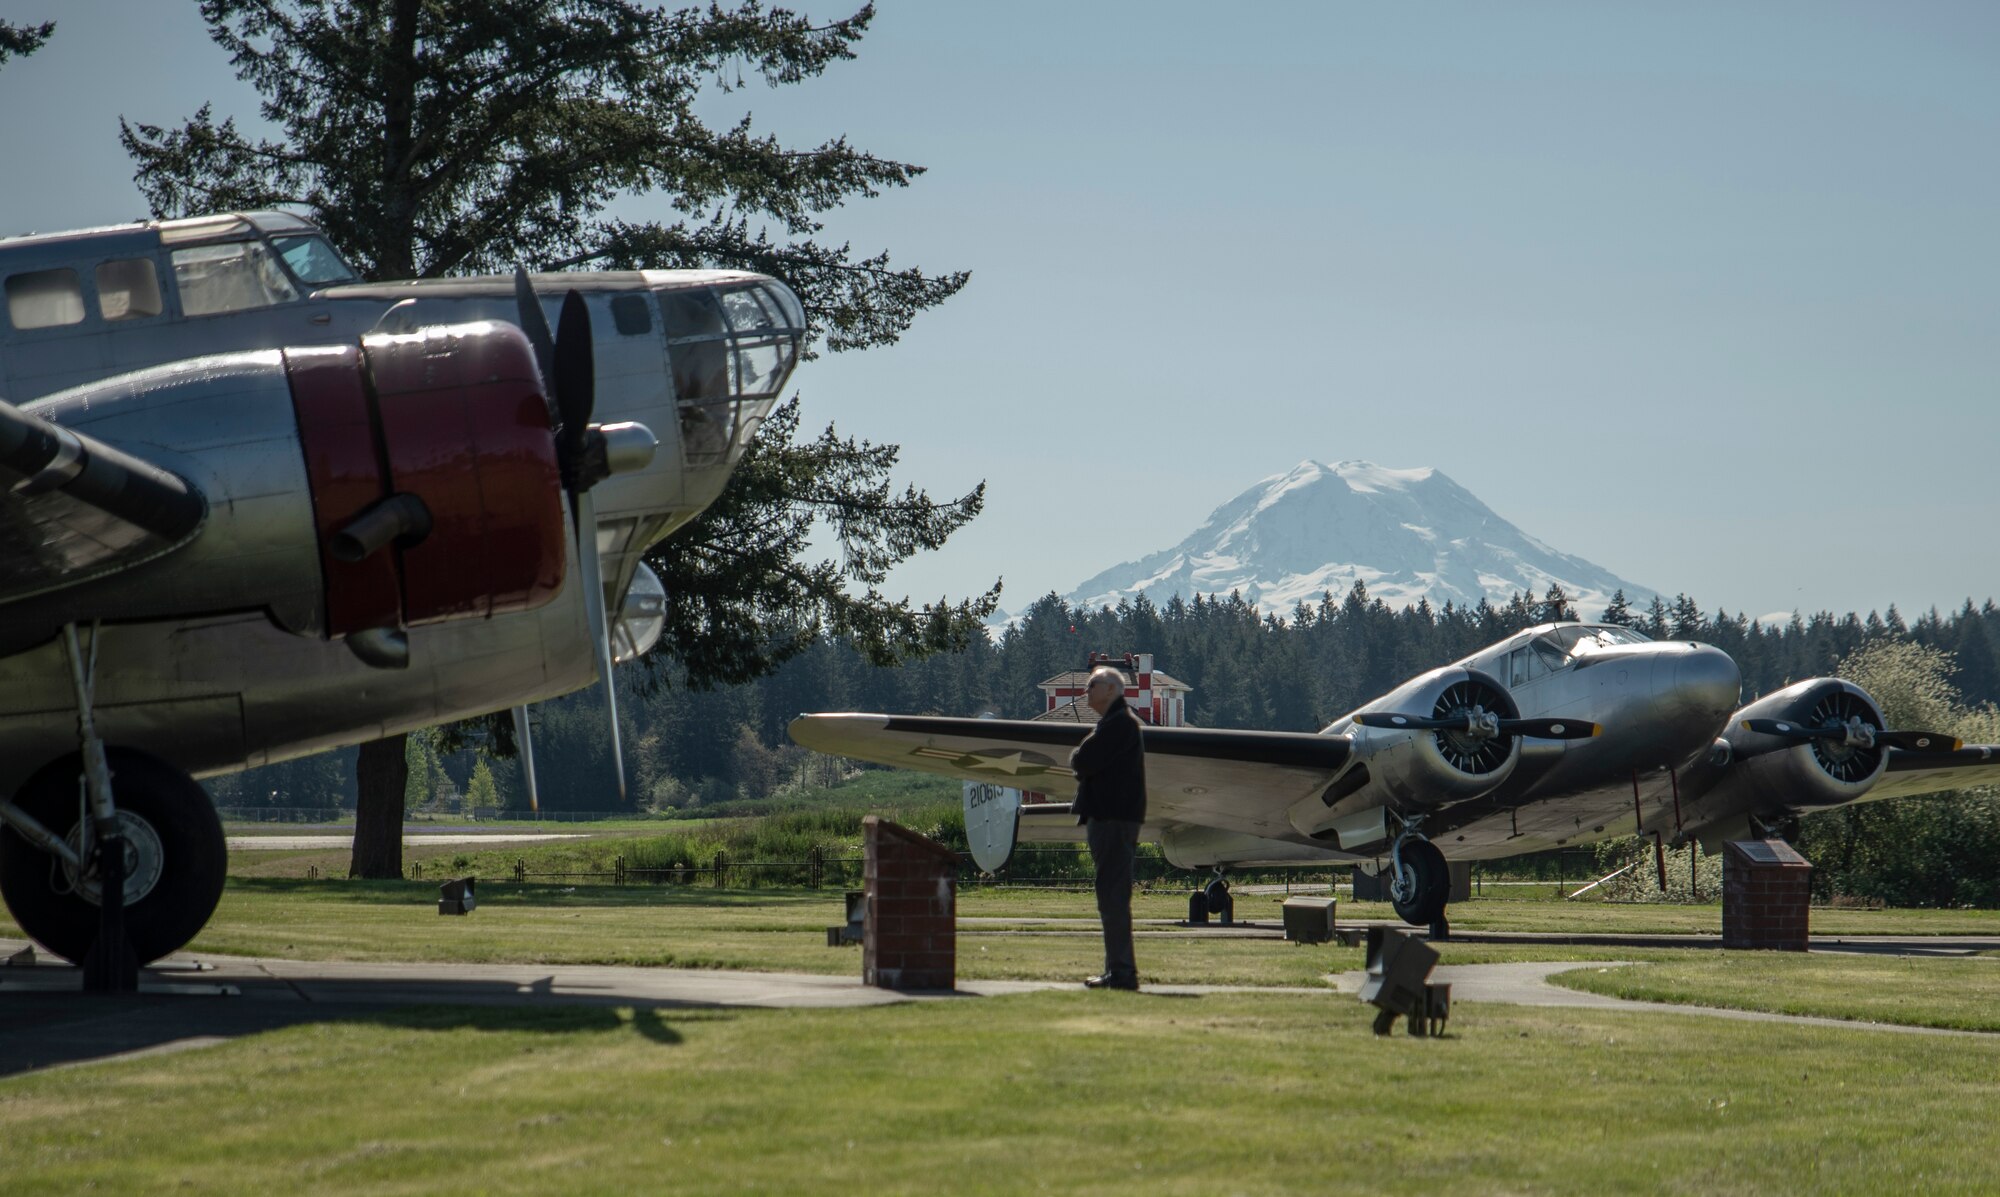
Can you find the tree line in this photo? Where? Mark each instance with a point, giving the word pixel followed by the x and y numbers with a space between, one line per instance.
pixel 691 746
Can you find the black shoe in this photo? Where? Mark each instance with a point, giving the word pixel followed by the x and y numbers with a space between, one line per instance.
pixel 1111 981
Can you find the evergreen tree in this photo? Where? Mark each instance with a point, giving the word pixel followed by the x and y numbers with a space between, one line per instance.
pixel 432 137
pixel 1619 611
pixel 1655 623
pixel 1556 606
pixel 1687 622
pixel 481 793
pixel 22 40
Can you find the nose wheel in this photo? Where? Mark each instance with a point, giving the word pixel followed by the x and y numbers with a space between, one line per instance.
pixel 1419 881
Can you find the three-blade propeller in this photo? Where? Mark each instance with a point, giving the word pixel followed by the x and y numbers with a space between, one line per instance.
pixel 586 454
pixel 1856 734
pixel 1483 724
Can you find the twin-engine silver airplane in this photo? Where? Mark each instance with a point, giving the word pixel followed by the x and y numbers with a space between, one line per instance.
pixel 1566 733
pixel 252 508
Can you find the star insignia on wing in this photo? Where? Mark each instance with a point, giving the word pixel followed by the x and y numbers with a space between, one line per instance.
pixel 1012 762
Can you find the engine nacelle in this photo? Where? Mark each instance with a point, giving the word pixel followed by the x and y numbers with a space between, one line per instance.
pixel 1812 775
pixel 454 417
pixel 398 482
pixel 1411 771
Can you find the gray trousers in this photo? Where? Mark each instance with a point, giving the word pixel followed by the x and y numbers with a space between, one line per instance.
pixel 1112 844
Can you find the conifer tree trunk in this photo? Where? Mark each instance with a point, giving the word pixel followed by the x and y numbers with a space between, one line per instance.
pixel 380 774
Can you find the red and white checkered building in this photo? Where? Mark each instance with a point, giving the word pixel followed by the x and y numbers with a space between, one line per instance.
pixel 1157 698
pixel 1154 696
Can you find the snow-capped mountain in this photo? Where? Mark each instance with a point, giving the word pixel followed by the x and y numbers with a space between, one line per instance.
pixel 1408 534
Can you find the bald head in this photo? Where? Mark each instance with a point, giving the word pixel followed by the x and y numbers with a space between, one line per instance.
pixel 1105 686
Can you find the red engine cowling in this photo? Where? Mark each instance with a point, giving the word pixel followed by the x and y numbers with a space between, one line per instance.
pixel 455 416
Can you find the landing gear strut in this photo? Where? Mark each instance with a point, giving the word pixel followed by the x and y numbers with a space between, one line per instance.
pixel 1419 880
pixel 1215 899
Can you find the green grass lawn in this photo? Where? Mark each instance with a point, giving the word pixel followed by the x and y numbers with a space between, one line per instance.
pixel 1099 1093
pixel 1920 991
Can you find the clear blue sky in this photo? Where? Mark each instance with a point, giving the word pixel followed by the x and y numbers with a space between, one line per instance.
pixel 1706 293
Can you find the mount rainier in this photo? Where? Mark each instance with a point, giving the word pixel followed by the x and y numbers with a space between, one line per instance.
pixel 1408 534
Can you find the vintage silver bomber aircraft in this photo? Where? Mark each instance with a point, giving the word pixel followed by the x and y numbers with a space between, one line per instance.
pixel 253 508
pixel 1567 733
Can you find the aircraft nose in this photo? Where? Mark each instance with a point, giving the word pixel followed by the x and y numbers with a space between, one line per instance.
pixel 1706 678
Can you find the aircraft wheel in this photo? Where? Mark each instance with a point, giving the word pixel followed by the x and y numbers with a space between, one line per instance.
pixel 1424 886
pixel 1220 903
pixel 175 859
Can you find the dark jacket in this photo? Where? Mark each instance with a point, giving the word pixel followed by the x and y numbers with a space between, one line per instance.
pixel 1110 768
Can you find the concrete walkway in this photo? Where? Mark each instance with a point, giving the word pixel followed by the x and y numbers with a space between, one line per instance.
pixel 1526 983
pixel 189 1002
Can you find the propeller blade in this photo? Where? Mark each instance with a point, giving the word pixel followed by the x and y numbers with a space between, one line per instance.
pixel 1787 730
pixel 576 387
pixel 536 326
pixel 1541 729
pixel 600 635
pixel 1552 729
pixel 1919 741
pixel 1391 721
pixel 524 742
pixel 1908 741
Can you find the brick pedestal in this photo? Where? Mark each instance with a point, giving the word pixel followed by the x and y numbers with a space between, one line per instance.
pixel 1766 896
pixel 909 932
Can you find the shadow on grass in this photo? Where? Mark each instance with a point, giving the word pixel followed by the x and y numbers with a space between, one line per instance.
pixel 49 1028
pixel 496 891
pixel 649 1022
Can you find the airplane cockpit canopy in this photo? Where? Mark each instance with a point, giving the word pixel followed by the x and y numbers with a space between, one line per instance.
pixel 240 261
pixel 1539 652
pixel 731 344
pixel 1586 636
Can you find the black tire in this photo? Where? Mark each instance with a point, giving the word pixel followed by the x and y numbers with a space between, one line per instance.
pixel 1428 885
pixel 193 858
pixel 1220 903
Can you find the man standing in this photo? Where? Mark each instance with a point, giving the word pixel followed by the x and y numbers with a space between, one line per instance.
pixel 1110 768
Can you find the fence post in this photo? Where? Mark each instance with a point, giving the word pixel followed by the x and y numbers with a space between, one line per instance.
pixel 815 862
pixel 520 869
pixel 721 864
pixel 618 874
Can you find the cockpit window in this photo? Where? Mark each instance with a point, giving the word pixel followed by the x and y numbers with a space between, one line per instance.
pixel 1554 658
pixel 313 261
pixel 730 349
pixel 232 277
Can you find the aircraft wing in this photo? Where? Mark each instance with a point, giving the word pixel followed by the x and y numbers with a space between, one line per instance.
pixel 73 508
pixel 1930 772
pixel 1232 780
